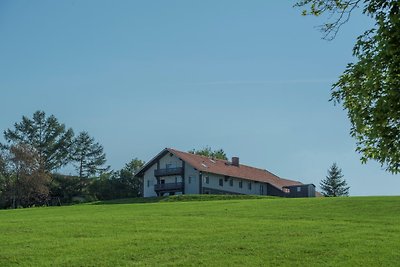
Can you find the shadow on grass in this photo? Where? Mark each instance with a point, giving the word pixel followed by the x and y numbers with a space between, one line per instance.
pixel 177 198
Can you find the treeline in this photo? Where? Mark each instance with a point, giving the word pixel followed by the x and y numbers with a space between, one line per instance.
pixel 37 148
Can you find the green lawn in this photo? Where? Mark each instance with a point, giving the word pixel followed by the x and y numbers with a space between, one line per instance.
pixel 355 231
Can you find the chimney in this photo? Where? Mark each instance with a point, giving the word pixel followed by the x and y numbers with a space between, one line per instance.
pixel 235 161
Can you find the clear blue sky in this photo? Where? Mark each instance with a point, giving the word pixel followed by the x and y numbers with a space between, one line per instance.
pixel 251 77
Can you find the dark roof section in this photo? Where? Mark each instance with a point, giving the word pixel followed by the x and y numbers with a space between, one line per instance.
pixel 223 167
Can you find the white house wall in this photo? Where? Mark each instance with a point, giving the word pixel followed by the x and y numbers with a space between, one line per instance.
pixel 149 180
pixel 214 184
pixel 172 160
pixel 191 180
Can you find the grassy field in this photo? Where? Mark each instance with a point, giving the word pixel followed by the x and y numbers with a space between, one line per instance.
pixel 356 231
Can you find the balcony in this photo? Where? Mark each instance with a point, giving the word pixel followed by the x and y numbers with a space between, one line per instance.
pixel 171 187
pixel 168 172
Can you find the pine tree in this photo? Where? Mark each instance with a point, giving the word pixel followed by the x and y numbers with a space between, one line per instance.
pixel 88 156
pixel 46 135
pixel 334 185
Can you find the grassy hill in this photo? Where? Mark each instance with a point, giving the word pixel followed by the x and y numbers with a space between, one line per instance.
pixel 356 231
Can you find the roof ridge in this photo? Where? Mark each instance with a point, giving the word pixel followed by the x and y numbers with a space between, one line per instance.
pixel 289 180
pixel 264 170
pixel 205 157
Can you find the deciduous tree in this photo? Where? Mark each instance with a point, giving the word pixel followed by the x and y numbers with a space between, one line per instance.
pixel 129 183
pixel 369 89
pixel 208 152
pixel 26 184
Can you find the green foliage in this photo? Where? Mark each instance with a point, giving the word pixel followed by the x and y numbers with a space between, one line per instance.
pixel 129 183
pixel 104 187
pixel 89 157
pixel 51 139
pixel 66 187
pixel 119 184
pixel 369 89
pixel 38 146
pixel 208 152
pixel 26 184
pixel 3 174
pixel 354 231
pixel 339 12
pixel 334 185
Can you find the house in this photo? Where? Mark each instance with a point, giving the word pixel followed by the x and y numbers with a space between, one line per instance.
pixel 175 172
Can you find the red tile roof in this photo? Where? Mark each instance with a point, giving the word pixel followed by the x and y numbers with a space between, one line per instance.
pixel 224 167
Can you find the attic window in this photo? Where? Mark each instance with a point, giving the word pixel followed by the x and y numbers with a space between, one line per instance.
pixel 213 161
pixel 204 165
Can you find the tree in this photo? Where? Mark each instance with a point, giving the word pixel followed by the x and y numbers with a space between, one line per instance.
pixel 126 184
pixel 26 183
pixel 208 152
pixel 3 176
pixel 50 139
pixel 64 187
pixel 88 156
pixel 103 187
pixel 334 185
pixel 119 184
pixel 369 89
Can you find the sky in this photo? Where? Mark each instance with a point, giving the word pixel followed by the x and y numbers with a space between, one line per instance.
pixel 250 77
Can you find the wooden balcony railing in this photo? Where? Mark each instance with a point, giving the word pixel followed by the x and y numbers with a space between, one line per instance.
pixel 168 172
pixel 169 187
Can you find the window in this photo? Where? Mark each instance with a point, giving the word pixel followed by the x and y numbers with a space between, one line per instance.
pixel 221 182
pixel 286 190
pixel 190 179
pixel 148 183
pixel 298 189
pixel 231 182
pixel 240 184
pixel 249 185
pixel 207 180
pixel 176 179
pixel 168 166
